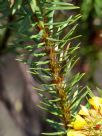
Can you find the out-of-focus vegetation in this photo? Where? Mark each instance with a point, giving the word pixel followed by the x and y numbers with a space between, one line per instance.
pixel 19 114
pixel 91 41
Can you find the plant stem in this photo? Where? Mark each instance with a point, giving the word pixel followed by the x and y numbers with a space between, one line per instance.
pixel 58 79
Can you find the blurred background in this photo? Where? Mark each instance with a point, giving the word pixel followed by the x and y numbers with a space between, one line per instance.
pixel 19 113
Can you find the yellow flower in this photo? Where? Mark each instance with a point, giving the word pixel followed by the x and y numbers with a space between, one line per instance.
pixel 84 111
pixel 96 102
pixel 93 113
pixel 101 110
pixel 74 133
pixel 79 123
pixel 88 121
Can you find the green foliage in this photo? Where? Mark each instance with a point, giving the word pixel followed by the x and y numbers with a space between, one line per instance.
pixel 93 6
pixel 49 53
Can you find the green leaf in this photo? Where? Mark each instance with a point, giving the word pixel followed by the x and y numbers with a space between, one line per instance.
pixel 41 62
pixel 56 125
pixel 54 122
pixel 76 79
pixel 62 3
pixel 77 100
pixel 61 6
pixel 39 54
pixel 54 133
pixel 34 6
pixel 90 92
pixel 17 5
